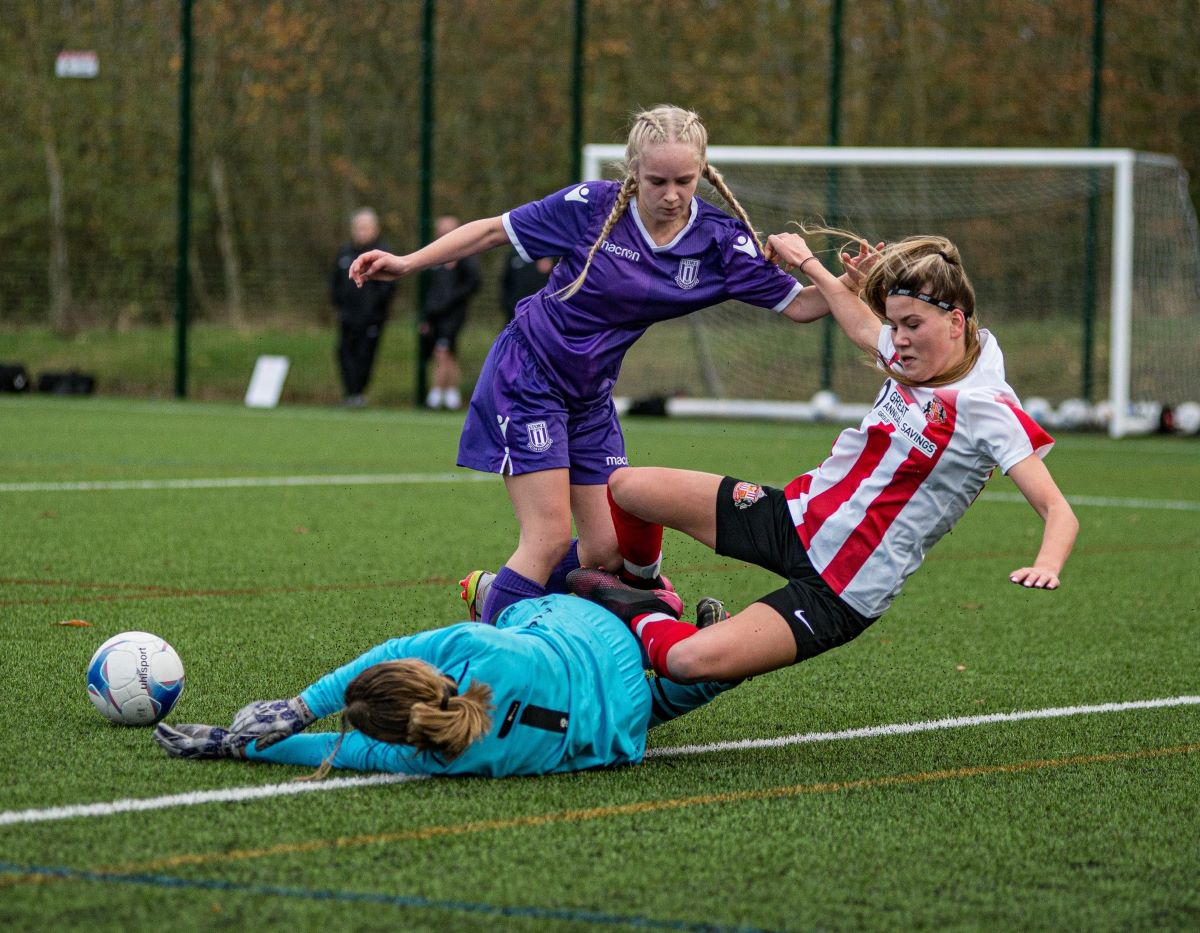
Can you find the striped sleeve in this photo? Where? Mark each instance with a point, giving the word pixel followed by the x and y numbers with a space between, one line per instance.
pixel 1001 429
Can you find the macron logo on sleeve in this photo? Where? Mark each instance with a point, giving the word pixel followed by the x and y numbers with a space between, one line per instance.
pixel 578 194
pixel 743 244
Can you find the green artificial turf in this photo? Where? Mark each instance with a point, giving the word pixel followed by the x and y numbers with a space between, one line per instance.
pixel 1082 822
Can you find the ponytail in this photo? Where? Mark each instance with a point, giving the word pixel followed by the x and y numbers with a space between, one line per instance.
pixel 410 702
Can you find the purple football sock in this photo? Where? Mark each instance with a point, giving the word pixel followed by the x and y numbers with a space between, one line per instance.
pixel 558 576
pixel 508 587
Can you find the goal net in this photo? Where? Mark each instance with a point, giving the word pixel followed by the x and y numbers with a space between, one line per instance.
pixel 1085 262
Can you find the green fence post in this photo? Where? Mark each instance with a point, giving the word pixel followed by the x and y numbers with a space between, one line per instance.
pixel 425 206
pixel 1090 244
pixel 184 199
pixel 577 92
pixel 831 176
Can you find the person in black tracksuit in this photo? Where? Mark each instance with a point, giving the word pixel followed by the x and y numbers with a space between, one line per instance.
pixel 361 311
pixel 522 279
pixel 451 286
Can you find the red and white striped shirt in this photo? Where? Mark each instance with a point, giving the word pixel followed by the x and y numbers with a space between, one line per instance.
pixel 891 487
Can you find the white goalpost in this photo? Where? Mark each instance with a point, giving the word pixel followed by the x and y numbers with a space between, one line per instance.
pixel 1082 259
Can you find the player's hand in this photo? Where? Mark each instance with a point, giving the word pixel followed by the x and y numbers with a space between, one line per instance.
pixel 376 265
pixel 270 721
pixel 1035 578
pixel 858 266
pixel 196 741
pixel 787 250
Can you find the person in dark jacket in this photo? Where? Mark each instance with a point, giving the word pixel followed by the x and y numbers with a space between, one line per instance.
pixel 451 286
pixel 522 279
pixel 361 312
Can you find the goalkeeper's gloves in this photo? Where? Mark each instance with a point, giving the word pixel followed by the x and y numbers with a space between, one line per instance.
pixel 266 722
pixel 197 741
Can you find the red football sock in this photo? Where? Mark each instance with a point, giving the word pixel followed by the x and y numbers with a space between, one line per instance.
pixel 640 542
pixel 658 632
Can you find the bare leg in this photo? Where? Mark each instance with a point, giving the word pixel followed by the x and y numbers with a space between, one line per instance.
pixel 593 522
pixel 445 369
pixel 542 503
pixel 754 641
pixel 685 500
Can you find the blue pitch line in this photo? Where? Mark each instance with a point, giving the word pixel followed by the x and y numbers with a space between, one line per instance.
pixel 365 897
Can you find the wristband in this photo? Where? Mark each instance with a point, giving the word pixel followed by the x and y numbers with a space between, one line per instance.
pixel 801 266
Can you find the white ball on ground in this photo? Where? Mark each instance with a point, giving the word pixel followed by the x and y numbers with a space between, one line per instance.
pixel 1187 418
pixel 1039 410
pixel 1143 417
pixel 824 404
pixel 1102 413
pixel 1073 413
pixel 135 678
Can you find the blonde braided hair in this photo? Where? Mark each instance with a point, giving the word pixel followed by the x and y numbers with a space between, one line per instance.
pixel 717 180
pixel 662 124
pixel 624 195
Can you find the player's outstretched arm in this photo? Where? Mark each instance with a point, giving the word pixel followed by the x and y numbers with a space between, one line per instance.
pixel 467 240
pixel 1038 487
pixel 355 752
pixel 854 317
pixel 810 305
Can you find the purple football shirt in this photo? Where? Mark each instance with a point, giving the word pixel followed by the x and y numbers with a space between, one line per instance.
pixel 632 283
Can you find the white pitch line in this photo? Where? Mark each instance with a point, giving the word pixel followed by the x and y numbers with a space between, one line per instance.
pixel 237 794
pixel 250 482
pixel 1104 502
pixel 229 795
pixel 906 728
pixel 410 479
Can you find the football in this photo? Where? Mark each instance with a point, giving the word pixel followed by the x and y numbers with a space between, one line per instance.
pixel 135 678
pixel 824 405
pixel 1039 410
pixel 1187 418
pixel 1072 414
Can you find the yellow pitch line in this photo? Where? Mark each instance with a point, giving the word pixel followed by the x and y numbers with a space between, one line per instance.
pixel 629 809
pixel 650 806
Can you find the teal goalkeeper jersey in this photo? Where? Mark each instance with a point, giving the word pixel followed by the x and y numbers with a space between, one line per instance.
pixel 569 690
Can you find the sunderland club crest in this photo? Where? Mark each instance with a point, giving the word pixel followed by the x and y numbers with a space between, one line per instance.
pixel 746 494
pixel 688 275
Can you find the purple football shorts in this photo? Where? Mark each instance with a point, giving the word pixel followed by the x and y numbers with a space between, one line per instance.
pixel 519 421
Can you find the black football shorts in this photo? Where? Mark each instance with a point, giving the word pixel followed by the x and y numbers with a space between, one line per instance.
pixel 755 525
